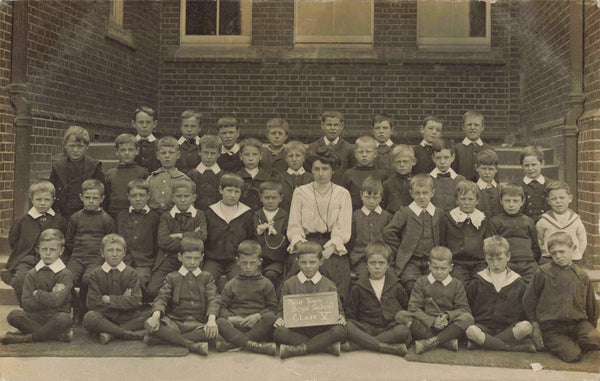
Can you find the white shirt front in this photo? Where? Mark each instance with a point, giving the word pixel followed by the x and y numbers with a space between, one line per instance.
pixel 377 286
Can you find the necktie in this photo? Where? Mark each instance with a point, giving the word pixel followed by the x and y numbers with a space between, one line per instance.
pixel 310 286
pixel 43 218
pixel 192 141
pixel 444 174
pixel 183 216
pixel 114 282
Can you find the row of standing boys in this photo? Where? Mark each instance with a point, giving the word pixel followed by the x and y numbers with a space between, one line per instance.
pixel 213 190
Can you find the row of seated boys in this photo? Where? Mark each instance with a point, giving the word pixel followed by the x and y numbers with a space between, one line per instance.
pixel 497 310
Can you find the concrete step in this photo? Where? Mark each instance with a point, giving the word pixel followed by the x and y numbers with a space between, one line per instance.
pixel 510 155
pixel 514 173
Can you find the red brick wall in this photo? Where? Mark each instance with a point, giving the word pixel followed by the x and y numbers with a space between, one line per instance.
pixel 255 90
pixel 7 136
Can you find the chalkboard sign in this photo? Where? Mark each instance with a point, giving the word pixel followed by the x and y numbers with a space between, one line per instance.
pixel 307 310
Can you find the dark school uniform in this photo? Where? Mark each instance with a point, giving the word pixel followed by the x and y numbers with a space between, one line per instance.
pixel 251 192
pixel 423 154
pixel 396 192
pixel 290 180
pixel 190 154
pixel 230 160
pixel 353 178
pixel 207 185
pixel 340 148
pixel 535 196
pixel 116 186
pixel 444 185
pixel 465 153
pixel 146 156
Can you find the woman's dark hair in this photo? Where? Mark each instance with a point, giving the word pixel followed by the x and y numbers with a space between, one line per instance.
pixel 324 155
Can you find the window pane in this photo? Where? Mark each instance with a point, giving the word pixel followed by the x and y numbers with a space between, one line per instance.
pixel 230 16
pixel 461 19
pixel 436 18
pixel 315 18
pixel 477 19
pixel 201 17
pixel 352 17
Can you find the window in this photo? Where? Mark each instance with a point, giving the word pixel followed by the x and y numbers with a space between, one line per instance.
pixel 333 21
pixel 453 23
pixel 115 28
pixel 216 22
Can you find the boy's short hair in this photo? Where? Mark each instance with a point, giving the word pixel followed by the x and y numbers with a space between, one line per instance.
pixel 226 121
pixel 465 186
pixel 421 180
pixel 41 186
pixel 81 135
pixel 138 184
pixel 278 123
pixel 495 246
pixel 191 244
pixel 378 248
pixel 432 118
pixel 110 238
pixel 309 247
pixel 473 113
pixel 231 180
pixel 378 118
pixel 250 142
pixel 183 183
pixel 168 142
pixel 536 151
pixel 371 185
pixel 441 144
pixel 188 114
pixel 210 141
pixel 124 139
pixel 146 110
pixel 365 141
pixel 325 156
pixel 441 253
pixel 91 184
pixel 332 114
pixel 486 157
pixel 511 190
pixel 249 247
pixel 52 235
pixel 560 238
pixel 271 185
pixel 295 145
pixel 557 185
pixel 403 150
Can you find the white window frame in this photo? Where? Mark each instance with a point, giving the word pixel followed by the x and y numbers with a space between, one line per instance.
pixel 115 28
pixel 335 40
pixel 244 39
pixel 439 43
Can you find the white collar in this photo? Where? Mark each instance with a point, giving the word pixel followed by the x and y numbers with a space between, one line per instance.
pixel 436 172
pixel 270 214
pixel 106 267
pixel 367 212
pixel 328 142
pixel 183 140
pixel 232 151
pixel 445 282
pixel 315 279
pixel 149 138
pixel 146 209
pixel 540 179
pixel 299 172
pixel 174 210
pixel 388 143
pixel 202 168
pixel 55 266
pixel 476 217
pixel 511 276
pixel 466 141
pixel 35 214
pixel 183 271
pixel 252 172
pixel 424 143
pixel 483 185
pixel 418 210
pixel 216 207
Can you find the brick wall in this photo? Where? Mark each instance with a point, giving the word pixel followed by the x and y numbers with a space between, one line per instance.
pixel 79 76
pixel 298 89
pixel 7 136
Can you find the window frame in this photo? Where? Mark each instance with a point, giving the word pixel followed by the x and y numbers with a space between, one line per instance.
pixel 244 39
pixel 115 29
pixel 464 43
pixel 339 40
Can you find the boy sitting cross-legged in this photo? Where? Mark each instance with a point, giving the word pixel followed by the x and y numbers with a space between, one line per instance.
pixel 114 296
pixel 495 295
pixel 375 300
pixel 248 306
pixel 301 341
pixel 46 296
pixel 184 312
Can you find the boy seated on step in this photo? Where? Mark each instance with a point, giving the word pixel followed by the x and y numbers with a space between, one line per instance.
pixel 249 304
pixel 438 311
pixel 114 295
pixel 375 300
pixel 561 304
pixel 495 295
pixel 185 311
pixel 304 340
pixel 46 296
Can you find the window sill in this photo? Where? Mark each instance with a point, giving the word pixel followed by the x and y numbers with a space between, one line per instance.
pixel 454 55
pixel 348 54
pixel 120 35
pixel 196 53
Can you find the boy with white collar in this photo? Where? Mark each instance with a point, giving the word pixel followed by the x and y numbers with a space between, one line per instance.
pixel 183 220
pixel 207 174
pixel 486 166
pixel 144 121
pixel 252 174
pixel 466 151
pixel 444 177
pixel 431 129
pixel 534 184
pixel 114 295
pixel 46 296
pixel 295 175
pixel 229 160
pixel 382 132
pixel 189 142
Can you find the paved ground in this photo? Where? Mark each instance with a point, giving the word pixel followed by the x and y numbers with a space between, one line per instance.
pixel 240 366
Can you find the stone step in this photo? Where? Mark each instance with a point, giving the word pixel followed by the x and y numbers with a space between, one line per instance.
pixel 510 155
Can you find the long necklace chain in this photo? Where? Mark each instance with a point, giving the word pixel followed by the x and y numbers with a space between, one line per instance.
pixel 328 203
